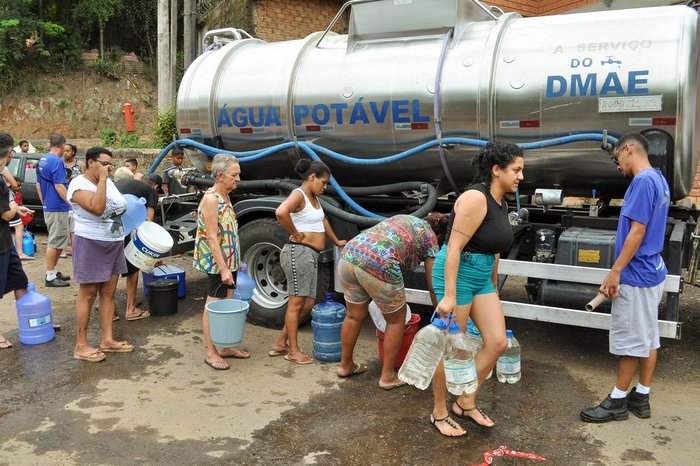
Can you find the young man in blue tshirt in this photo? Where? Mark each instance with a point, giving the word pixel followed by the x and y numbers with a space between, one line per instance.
pixel 52 188
pixel 635 282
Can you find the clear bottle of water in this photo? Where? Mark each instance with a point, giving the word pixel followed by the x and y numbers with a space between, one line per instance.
pixel 425 354
pixel 508 365
pixel 460 367
pixel 474 334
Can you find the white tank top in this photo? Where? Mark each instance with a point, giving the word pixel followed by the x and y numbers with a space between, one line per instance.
pixel 308 219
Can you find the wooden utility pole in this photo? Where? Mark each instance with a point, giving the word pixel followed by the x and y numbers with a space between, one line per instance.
pixel 189 40
pixel 165 69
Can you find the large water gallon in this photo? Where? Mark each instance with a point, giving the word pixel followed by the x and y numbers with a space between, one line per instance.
pixel 508 365
pixel 327 320
pixel 28 243
pixel 227 321
pixel 425 354
pixel 245 285
pixel 34 318
pixel 460 367
pixel 135 213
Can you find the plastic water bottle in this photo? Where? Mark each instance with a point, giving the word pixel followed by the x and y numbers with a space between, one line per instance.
pixel 135 213
pixel 474 334
pixel 327 321
pixel 34 317
pixel 508 365
pixel 425 354
pixel 460 368
pixel 245 285
pixel 28 243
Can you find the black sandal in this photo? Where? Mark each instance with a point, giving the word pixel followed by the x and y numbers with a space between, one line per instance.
pixel 449 422
pixel 470 419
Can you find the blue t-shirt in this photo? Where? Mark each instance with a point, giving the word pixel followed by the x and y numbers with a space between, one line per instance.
pixel 646 201
pixel 51 172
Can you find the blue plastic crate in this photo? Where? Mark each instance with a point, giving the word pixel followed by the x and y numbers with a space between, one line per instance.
pixel 165 271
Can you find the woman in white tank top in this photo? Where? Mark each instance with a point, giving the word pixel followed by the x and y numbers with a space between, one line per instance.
pixel 302 216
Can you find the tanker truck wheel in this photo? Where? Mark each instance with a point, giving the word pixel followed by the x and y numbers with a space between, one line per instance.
pixel 261 244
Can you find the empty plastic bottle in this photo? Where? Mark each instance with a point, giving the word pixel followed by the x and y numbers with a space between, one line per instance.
pixel 245 285
pixel 28 243
pixel 508 365
pixel 425 354
pixel 460 367
pixel 327 321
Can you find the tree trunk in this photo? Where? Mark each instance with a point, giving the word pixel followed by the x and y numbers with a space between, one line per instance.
pixel 102 40
pixel 165 87
pixel 189 39
pixel 173 43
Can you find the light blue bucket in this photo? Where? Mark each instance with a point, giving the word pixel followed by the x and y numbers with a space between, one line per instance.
pixel 226 321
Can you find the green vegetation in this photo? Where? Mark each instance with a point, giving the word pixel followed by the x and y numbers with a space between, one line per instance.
pixel 49 35
pixel 165 129
pixel 122 141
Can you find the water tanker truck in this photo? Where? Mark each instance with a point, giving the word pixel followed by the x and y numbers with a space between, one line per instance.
pixel 399 106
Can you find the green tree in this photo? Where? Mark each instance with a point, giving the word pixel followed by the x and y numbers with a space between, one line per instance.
pixel 97 11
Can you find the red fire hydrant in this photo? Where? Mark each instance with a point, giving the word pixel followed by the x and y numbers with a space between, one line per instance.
pixel 128 111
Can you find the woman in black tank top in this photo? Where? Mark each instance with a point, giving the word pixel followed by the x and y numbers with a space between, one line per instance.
pixel 479 231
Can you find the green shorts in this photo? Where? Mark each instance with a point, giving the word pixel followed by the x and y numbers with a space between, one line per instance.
pixel 473 275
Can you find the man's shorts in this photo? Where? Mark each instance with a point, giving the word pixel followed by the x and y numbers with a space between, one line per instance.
pixel 634 327
pixel 216 288
pixel 473 275
pixel 58 225
pixel 300 265
pixel 12 276
pixel 15 222
pixel 130 268
pixel 360 286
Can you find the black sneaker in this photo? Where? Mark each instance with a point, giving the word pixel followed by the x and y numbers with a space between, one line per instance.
pixel 62 277
pixel 638 404
pixel 608 410
pixel 56 283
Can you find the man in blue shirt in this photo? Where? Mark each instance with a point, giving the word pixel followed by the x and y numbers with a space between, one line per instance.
pixel 53 187
pixel 635 282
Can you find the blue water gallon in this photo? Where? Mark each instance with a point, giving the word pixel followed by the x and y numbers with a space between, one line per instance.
pixel 327 320
pixel 28 243
pixel 34 318
pixel 245 285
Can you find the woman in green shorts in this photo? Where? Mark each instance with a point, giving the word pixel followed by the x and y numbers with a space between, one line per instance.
pixel 465 274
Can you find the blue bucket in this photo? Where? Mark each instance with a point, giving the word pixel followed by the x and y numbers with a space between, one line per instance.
pixel 226 321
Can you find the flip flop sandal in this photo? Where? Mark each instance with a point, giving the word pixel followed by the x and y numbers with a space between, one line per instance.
pixel 358 369
pixel 447 420
pixel 302 362
pixel 90 356
pixel 122 348
pixel 470 419
pixel 140 315
pixel 5 344
pixel 400 383
pixel 240 354
pixel 273 353
pixel 211 364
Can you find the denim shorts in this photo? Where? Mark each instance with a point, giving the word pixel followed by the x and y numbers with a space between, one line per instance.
pixel 473 275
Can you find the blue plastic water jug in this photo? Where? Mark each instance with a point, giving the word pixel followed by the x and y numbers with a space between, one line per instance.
pixel 28 243
pixel 327 320
pixel 34 318
pixel 135 213
pixel 245 285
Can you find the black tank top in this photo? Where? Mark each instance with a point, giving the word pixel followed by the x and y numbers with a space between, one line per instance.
pixel 494 235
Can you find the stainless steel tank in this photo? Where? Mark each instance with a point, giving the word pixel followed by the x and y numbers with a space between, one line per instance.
pixel 373 92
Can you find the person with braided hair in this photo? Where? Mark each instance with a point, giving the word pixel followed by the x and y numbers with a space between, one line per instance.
pixel 465 274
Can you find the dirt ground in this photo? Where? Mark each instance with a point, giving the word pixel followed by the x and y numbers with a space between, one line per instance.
pixel 162 405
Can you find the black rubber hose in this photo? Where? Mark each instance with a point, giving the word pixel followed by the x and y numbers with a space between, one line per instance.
pixel 290 185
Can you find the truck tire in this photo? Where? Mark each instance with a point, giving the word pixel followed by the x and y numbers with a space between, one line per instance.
pixel 261 243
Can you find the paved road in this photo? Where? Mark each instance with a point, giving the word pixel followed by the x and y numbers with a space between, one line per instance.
pixel 162 405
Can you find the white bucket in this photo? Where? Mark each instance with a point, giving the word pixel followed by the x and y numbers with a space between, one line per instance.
pixel 149 243
pixel 378 317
